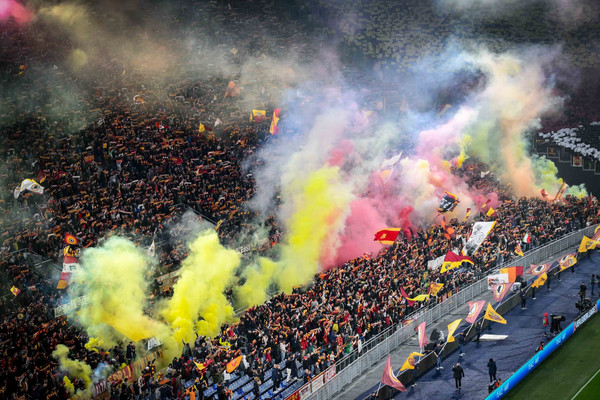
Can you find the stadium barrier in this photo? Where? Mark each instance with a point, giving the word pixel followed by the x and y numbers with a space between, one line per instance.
pixel 541 355
pixel 377 348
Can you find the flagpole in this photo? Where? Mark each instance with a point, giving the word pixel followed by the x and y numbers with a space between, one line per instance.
pixel 469 331
pixel 377 392
pixel 432 222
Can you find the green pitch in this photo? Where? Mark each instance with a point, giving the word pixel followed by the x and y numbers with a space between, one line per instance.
pixel 571 372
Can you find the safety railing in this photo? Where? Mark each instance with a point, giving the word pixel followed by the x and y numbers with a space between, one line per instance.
pixel 377 348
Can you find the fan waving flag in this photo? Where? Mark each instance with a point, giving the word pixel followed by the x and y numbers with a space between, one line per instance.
pixel 518 250
pixel 492 315
pixel 28 184
pixel 567 261
pixel 540 269
pixel 233 364
pixel 453 261
pixel 500 290
pixel 408 300
pixel 434 288
pixel 258 115
pixel 410 361
pixel 452 328
pixel 467 214
pixel 387 235
pixel 475 308
pixel 448 203
pixel 273 129
pixel 389 378
pixel 540 280
pixel 587 244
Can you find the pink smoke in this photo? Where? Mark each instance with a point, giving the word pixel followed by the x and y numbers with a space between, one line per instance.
pixel 11 8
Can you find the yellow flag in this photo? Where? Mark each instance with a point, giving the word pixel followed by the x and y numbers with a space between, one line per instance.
pixel 434 288
pixel 201 128
pixel 492 315
pixel 258 115
pixel 518 250
pixel 200 366
pixel 490 212
pixel 410 361
pixel 587 244
pixel 421 297
pixel 540 280
pixel 451 328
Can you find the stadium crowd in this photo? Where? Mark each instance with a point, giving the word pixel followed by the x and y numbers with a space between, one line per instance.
pixel 134 169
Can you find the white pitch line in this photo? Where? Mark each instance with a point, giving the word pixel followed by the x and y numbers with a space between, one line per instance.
pixel 583 387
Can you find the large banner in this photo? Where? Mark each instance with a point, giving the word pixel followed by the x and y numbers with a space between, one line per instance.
pixel 478 235
pixel 71 306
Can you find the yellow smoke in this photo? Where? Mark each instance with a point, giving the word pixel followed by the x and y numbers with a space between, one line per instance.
pixel 321 204
pixel 114 277
pixel 577 191
pixel 69 385
pixel 94 344
pixel 205 275
pixel 75 368
pixel 258 278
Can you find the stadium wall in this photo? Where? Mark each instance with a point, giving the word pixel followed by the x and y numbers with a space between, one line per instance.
pixel 540 356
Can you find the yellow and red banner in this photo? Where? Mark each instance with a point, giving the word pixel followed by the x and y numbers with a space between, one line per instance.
pixel 387 235
pixel 567 261
pixel 410 361
pixel 434 288
pixel 492 315
pixel 587 244
pixel 452 261
pixel 513 272
pixel 273 129
pixel 540 280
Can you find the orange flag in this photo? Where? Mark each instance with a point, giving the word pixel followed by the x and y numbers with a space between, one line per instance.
pixel 233 364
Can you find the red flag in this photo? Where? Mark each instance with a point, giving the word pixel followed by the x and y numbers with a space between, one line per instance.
pixel 422 336
pixel 387 236
pixel 452 261
pixel 500 290
pixel 544 194
pixel 232 90
pixel 475 308
pixel 274 121
pixel 389 378
pixel 512 272
pixel 410 302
